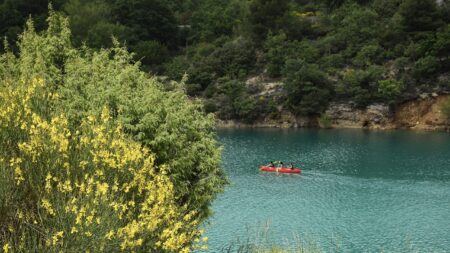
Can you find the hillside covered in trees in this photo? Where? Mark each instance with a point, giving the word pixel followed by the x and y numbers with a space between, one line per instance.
pixel 359 51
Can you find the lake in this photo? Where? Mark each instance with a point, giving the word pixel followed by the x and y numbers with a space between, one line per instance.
pixel 360 191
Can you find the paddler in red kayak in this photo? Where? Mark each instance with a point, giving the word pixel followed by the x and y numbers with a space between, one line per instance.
pixel 270 165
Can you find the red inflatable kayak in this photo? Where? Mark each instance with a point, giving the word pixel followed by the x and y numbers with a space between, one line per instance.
pixel 280 170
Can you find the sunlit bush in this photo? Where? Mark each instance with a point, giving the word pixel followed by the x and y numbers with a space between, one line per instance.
pixel 95 155
pixel 89 188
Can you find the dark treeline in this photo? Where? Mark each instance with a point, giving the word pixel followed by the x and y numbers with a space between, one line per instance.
pixel 362 51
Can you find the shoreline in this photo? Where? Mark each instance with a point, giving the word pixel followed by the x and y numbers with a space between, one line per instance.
pixel 239 125
pixel 423 114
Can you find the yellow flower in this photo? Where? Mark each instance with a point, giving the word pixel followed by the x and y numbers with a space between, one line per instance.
pixel 6 248
pixel 110 235
pixel 18 175
pixel 59 235
pixel 74 230
pixel 102 188
pixel 47 206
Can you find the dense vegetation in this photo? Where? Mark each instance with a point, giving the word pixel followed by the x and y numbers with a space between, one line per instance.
pixel 361 51
pixel 95 155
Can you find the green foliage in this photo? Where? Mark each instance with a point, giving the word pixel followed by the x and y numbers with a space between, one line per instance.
pixel 89 22
pixel 233 58
pixel 147 20
pixel 359 85
pixel 173 127
pixel 390 89
pixel 153 53
pixel 441 45
pixel 419 15
pixel 231 99
pixel 276 50
pixel 368 55
pixel 426 66
pixel 177 67
pixel 446 109
pixel 279 49
pixel 353 25
pixel 213 19
pixel 325 120
pixel 405 40
pixel 307 87
pixel 265 16
pixel 14 13
pixel 386 8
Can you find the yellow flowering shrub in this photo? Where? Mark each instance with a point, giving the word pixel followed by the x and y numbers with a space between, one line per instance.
pixel 80 82
pixel 96 155
pixel 85 188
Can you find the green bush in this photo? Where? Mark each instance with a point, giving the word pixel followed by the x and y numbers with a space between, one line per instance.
pixel 307 87
pixel 276 53
pixel 368 55
pixel 359 85
pixel 446 109
pixel 151 53
pixel 235 58
pixel 94 155
pixel 176 68
pixel 426 66
pixel 390 89
pixel 169 124
pixel 325 120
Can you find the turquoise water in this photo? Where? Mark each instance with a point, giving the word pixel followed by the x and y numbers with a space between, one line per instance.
pixel 360 191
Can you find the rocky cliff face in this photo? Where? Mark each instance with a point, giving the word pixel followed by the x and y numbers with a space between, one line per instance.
pixel 423 113
pixel 344 115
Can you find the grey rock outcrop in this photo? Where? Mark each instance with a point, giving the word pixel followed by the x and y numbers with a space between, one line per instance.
pixel 346 115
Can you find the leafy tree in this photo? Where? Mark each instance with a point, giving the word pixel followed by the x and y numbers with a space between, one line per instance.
pixel 147 20
pixel 212 19
pixel 14 13
pixel 390 89
pixel 153 53
pixel 75 161
pixel 332 4
pixel 233 58
pixel 276 53
pixel 307 87
pixel 87 81
pixel 426 66
pixel 446 109
pixel 177 67
pixel 386 8
pixel 233 101
pixel 265 16
pixel 355 26
pixel 325 120
pixel 279 49
pixel 419 15
pixel 359 85
pixel 91 23
pixel 368 55
pixel 441 45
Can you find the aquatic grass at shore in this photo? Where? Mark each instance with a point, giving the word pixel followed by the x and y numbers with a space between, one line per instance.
pixel 259 241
